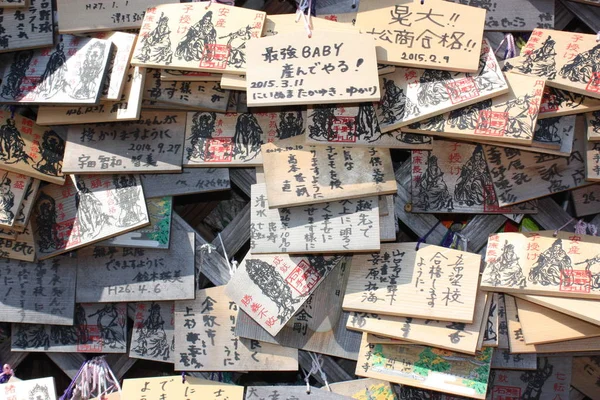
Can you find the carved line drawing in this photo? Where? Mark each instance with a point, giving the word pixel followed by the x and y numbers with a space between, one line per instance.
pixel 152 339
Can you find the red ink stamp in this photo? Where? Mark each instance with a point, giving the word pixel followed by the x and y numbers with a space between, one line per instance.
pixel 344 130
pixel 303 278
pixel 490 201
pixel 67 233
pixel 576 281
pixel 216 56
pixel 506 393
pixel 549 103
pixel 461 90
pixel 491 123
pixel 94 343
pixel 594 83
pixel 219 150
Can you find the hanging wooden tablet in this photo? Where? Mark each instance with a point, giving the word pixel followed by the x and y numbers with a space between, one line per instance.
pixel 70 73
pixel 586 200
pixel 153 336
pixel 426 367
pixel 299 174
pixel 584 309
pixel 453 178
pixel 12 193
pixel 520 176
pixel 205 339
pixel 565 59
pixel 235 139
pixel 291 393
pixel 362 389
pixel 502 359
pixel 42 388
pixel 97 328
pixel 119 63
pixel 22 247
pixel 318 326
pixel 585 375
pixel 295 278
pixel 453 336
pixel 551 380
pixel 410 95
pixel 190 181
pixel 108 274
pixel 557 102
pixel 414 34
pixel 432 283
pixel 329 67
pixel 507 118
pixel 127 109
pixel 31 149
pixel 26 28
pixel 593 126
pixel 38 293
pixel 195 37
pixel 153 143
pixel 31 192
pixel 154 236
pixel 206 96
pixel 354 125
pixel 165 387
pixel 515 15
pixel 86 210
pixel 540 263
pixel 341 226
pixel 170 75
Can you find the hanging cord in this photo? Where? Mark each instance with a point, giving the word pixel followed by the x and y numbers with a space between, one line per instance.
pixel 511 48
pixel 424 238
pixel 94 379
pixel 233 264
pixel 316 366
pixel 303 11
pixel 555 234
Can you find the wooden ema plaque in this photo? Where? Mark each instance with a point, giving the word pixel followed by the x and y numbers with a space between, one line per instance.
pixel 198 37
pixel 115 274
pixel 557 102
pixel 38 32
pixel 153 336
pixel 592 120
pixel 330 67
pixel 410 95
pixel 97 328
pixel 320 174
pixel 509 118
pixel 567 60
pixel 235 139
pixel 520 176
pixel 515 15
pixel 12 193
pixel 205 338
pixel 318 326
pixel 356 125
pixel 87 209
pixel 453 178
pixel 459 337
pixel 426 367
pixel 38 293
pixel 70 73
pixel 22 247
pixel 592 162
pixel 128 108
pixel 190 181
pixel 586 200
pixel 170 75
pixel 42 388
pixel 431 283
pixel 540 263
pixel 153 143
pixel 374 389
pixel 294 277
pixel 343 226
pixel 30 149
pixel 414 34
pixel 172 387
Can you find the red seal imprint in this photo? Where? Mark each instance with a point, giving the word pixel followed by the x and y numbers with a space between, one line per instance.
pixel 219 150
pixel 94 343
pixel 549 103
pixel 216 56
pixel 491 123
pixel 594 83
pixel 576 281
pixel 461 90
pixel 344 130
pixel 506 393
pixel 303 278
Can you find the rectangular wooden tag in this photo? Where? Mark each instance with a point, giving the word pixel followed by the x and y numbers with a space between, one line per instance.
pixel 515 15
pixel 330 67
pixel 17 35
pixel 42 388
pixel 586 200
pixel 13 190
pixel 441 36
pixel 585 375
pixel 190 181
pixel 160 388
pixel 557 102
pixel 153 336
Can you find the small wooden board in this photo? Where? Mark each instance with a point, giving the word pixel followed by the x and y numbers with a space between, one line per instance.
pixel 330 67
pixel 565 59
pixel 502 359
pixel 190 181
pixel 235 139
pixel 409 34
pixel 515 15
pixel 426 368
pixel 291 393
pixel 370 288
pixel 170 75
pixel 362 389
pixel 337 227
pixel 95 208
pixel 509 118
pixel 31 149
pixel 205 338
pixel 153 336
pixel 24 302
pixel 557 102
pixel 586 200
pixel 153 143
pixel 13 189
pixel 18 35
pixel 299 174
pixel 42 388
pixel 584 309
pixel 97 328
pixel 195 37
pixel 173 386
pixel 108 274
pixel 453 178
pixel 70 73
pixel 20 248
